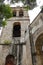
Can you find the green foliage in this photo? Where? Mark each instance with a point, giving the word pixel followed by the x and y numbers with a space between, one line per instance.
pixel 32 0
pixel 41 7
pixel 30 3
pixel 23 0
pixel 1 0
pixel 27 8
pixel 5 10
pixel 7 42
pixel 4 23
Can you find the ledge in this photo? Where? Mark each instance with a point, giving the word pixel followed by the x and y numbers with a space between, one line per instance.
pixel 5 44
pixel 20 44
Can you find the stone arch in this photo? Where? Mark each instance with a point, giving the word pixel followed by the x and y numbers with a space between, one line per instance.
pixel 9 60
pixel 16 29
pixel 37 35
pixel 39 49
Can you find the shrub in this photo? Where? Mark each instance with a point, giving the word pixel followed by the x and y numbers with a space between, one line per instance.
pixel 4 23
pixel 7 42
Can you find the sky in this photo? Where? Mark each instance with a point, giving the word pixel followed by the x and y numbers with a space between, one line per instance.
pixel 33 13
pixel 39 2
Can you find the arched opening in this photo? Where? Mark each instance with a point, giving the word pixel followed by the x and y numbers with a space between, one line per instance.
pixel 14 13
pixel 16 29
pixel 39 49
pixel 20 13
pixel 9 60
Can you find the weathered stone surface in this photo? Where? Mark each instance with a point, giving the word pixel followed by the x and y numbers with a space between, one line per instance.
pixel 7 35
pixel 37 30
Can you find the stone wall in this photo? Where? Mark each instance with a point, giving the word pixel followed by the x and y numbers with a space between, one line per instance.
pixel 4 51
pixel 7 35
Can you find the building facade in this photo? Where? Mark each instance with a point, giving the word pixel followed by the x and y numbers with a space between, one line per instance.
pixel 21 40
pixel 15 38
pixel 36 30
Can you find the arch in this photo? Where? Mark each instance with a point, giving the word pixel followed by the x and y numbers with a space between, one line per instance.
pixel 39 36
pixel 36 36
pixel 21 13
pixel 9 60
pixel 39 41
pixel 16 29
pixel 14 13
pixel 39 48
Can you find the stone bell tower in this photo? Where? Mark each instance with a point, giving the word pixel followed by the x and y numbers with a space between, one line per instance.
pixel 17 32
pixel 21 36
pixel 21 23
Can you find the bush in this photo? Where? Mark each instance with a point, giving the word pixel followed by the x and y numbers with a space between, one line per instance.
pixel 6 10
pixel 7 41
pixel 4 23
pixel 27 8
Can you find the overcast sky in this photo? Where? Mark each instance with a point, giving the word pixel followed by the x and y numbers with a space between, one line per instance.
pixel 39 2
pixel 33 13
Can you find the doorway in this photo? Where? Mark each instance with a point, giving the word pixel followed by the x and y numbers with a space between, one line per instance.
pixel 39 49
pixel 9 60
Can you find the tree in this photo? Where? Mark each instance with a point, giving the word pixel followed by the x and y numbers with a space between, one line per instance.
pixel 26 1
pixel 5 12
pixel 30 3
pixel 1 1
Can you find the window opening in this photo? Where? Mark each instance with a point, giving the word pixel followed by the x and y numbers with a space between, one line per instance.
pixel 20 13
pixel 17 30
pixel 14 13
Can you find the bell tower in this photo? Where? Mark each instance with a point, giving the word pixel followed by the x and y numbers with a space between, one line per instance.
pixel 20 23
pixel 17 32
pixel 20 36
